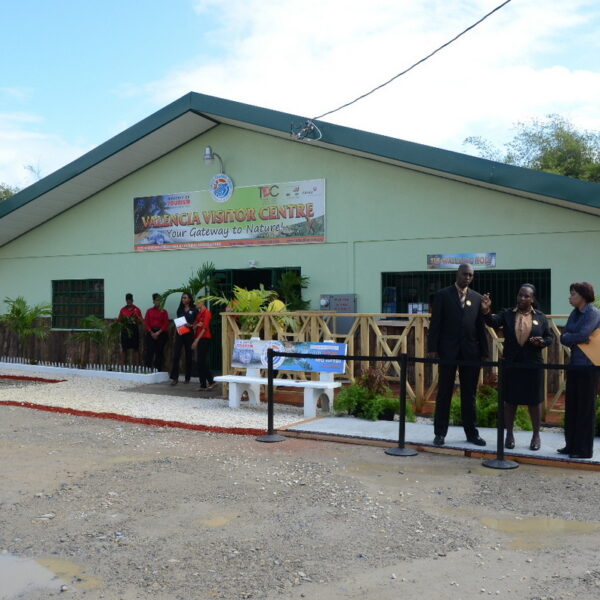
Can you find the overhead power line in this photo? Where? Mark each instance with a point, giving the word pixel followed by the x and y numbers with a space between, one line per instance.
pixel 417 63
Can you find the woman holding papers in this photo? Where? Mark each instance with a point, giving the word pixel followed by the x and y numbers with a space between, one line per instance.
pixel 186 315
pixel 582 382
pixel 526 332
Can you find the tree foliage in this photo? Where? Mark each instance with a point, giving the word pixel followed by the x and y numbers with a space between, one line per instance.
pixel 6 191
pixel 26 321
pixel 552 144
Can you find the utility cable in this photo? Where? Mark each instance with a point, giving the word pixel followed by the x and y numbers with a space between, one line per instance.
pixel 417 63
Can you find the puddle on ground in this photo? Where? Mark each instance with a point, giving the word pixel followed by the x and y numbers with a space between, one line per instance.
pixel 534 533
pixel 20 576
pixel 216 521
pixel 71 572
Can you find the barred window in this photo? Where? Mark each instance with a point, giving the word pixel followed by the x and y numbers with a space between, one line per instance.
pixel 402 291
pixel 74 299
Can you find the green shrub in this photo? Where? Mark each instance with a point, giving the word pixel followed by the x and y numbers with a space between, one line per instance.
pixel 370 398
pixel 487 410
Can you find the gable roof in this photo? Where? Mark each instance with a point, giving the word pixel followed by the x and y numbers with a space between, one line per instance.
pixel 194 114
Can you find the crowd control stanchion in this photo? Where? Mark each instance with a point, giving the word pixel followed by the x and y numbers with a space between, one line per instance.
pixel 270 436
pixel 401 450
pixel 500 462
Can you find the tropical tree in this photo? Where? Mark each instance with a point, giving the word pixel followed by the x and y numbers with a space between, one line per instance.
pixel 6 191
pixel 26 321
pixel 201 283
pixel 552 144
pixel 101 333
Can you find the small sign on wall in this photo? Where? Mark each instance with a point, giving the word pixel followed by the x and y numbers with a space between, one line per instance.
pixel 482 260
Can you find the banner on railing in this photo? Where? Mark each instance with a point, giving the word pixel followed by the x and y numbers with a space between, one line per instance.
pixel 252 354
pixel 277 213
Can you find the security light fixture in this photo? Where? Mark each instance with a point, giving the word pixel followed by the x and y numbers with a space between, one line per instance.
pixel 209 156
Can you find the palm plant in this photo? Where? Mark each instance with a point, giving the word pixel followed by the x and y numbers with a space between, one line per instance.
pixel 26 321
pixel 101 333
pixel 202 282
pixel 289 287
pixel 253 301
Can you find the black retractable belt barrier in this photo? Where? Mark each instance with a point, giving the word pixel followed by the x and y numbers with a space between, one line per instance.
pixel 401 450
pixel 500 462
pixel 270 436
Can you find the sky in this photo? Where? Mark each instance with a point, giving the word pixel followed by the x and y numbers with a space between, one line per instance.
pixel 75 73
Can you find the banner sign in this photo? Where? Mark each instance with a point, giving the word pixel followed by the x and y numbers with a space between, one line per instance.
pixel 278 213
pixel 252 354
pixel 452 261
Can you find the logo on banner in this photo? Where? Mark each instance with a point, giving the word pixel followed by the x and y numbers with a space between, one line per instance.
pixel 221 187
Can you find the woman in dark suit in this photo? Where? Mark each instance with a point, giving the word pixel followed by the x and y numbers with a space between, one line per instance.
pixel 526 332
pixel 189 311
pixel 582 382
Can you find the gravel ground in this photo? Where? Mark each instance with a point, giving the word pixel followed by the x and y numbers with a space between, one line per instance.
pixel 181 403
pixel 122 511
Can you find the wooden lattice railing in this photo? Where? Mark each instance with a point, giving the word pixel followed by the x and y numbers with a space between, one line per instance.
pixel 379 334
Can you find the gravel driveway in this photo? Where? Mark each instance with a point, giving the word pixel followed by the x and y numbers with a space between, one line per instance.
pixel 123 511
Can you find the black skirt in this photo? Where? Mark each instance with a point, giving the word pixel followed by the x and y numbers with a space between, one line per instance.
pixel 524 386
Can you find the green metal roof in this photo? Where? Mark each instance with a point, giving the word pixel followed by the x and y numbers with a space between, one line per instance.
pixel 565 191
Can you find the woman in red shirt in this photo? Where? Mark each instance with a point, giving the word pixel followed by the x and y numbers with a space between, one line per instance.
pixel 130 316
pixel 202 337
pixel 157 327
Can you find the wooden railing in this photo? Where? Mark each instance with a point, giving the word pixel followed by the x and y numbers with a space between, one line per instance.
pixel 379 334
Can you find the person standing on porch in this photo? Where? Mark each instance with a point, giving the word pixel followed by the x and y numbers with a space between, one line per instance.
pixel 526 333
pixel 457 332
pixel 157 327
pixel 202 338
pixel 130 317
pixel 582 379
pixel 184 338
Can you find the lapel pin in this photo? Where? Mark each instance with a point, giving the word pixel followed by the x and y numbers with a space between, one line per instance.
pixel 468 303
pixel 535 322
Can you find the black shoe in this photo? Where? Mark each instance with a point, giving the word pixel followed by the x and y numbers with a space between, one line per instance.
pixel 534 445
pixel 477 440
pixel 509 443
pixel 564 450
pixel 438 440
pixel 174 382
pixel 186 381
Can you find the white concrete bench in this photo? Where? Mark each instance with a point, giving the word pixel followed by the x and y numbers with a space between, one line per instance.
pixel 313 390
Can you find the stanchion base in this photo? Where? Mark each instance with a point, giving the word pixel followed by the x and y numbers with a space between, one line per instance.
pixel 270 438
pixel 401 452
pixel 495 463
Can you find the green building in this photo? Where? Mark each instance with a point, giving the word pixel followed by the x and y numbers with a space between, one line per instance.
pixel 357 213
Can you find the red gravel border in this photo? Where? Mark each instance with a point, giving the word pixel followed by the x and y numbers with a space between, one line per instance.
pixel 138 420
pixel 25 378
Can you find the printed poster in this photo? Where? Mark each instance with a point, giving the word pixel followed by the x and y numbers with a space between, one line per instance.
pixel 252 354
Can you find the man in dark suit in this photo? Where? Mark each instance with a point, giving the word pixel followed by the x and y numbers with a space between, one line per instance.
pixel 457 332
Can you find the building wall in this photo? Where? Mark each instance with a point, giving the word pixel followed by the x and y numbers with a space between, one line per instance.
pixel 379 218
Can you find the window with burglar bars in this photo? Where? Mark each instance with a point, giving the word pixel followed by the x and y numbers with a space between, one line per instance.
pixel 399 290
pixel 75 299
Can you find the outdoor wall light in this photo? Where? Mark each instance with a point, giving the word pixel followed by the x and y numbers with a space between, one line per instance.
pixel 252 263
pixel 209 157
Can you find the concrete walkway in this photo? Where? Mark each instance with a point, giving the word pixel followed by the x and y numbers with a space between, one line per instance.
pixel 420 436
